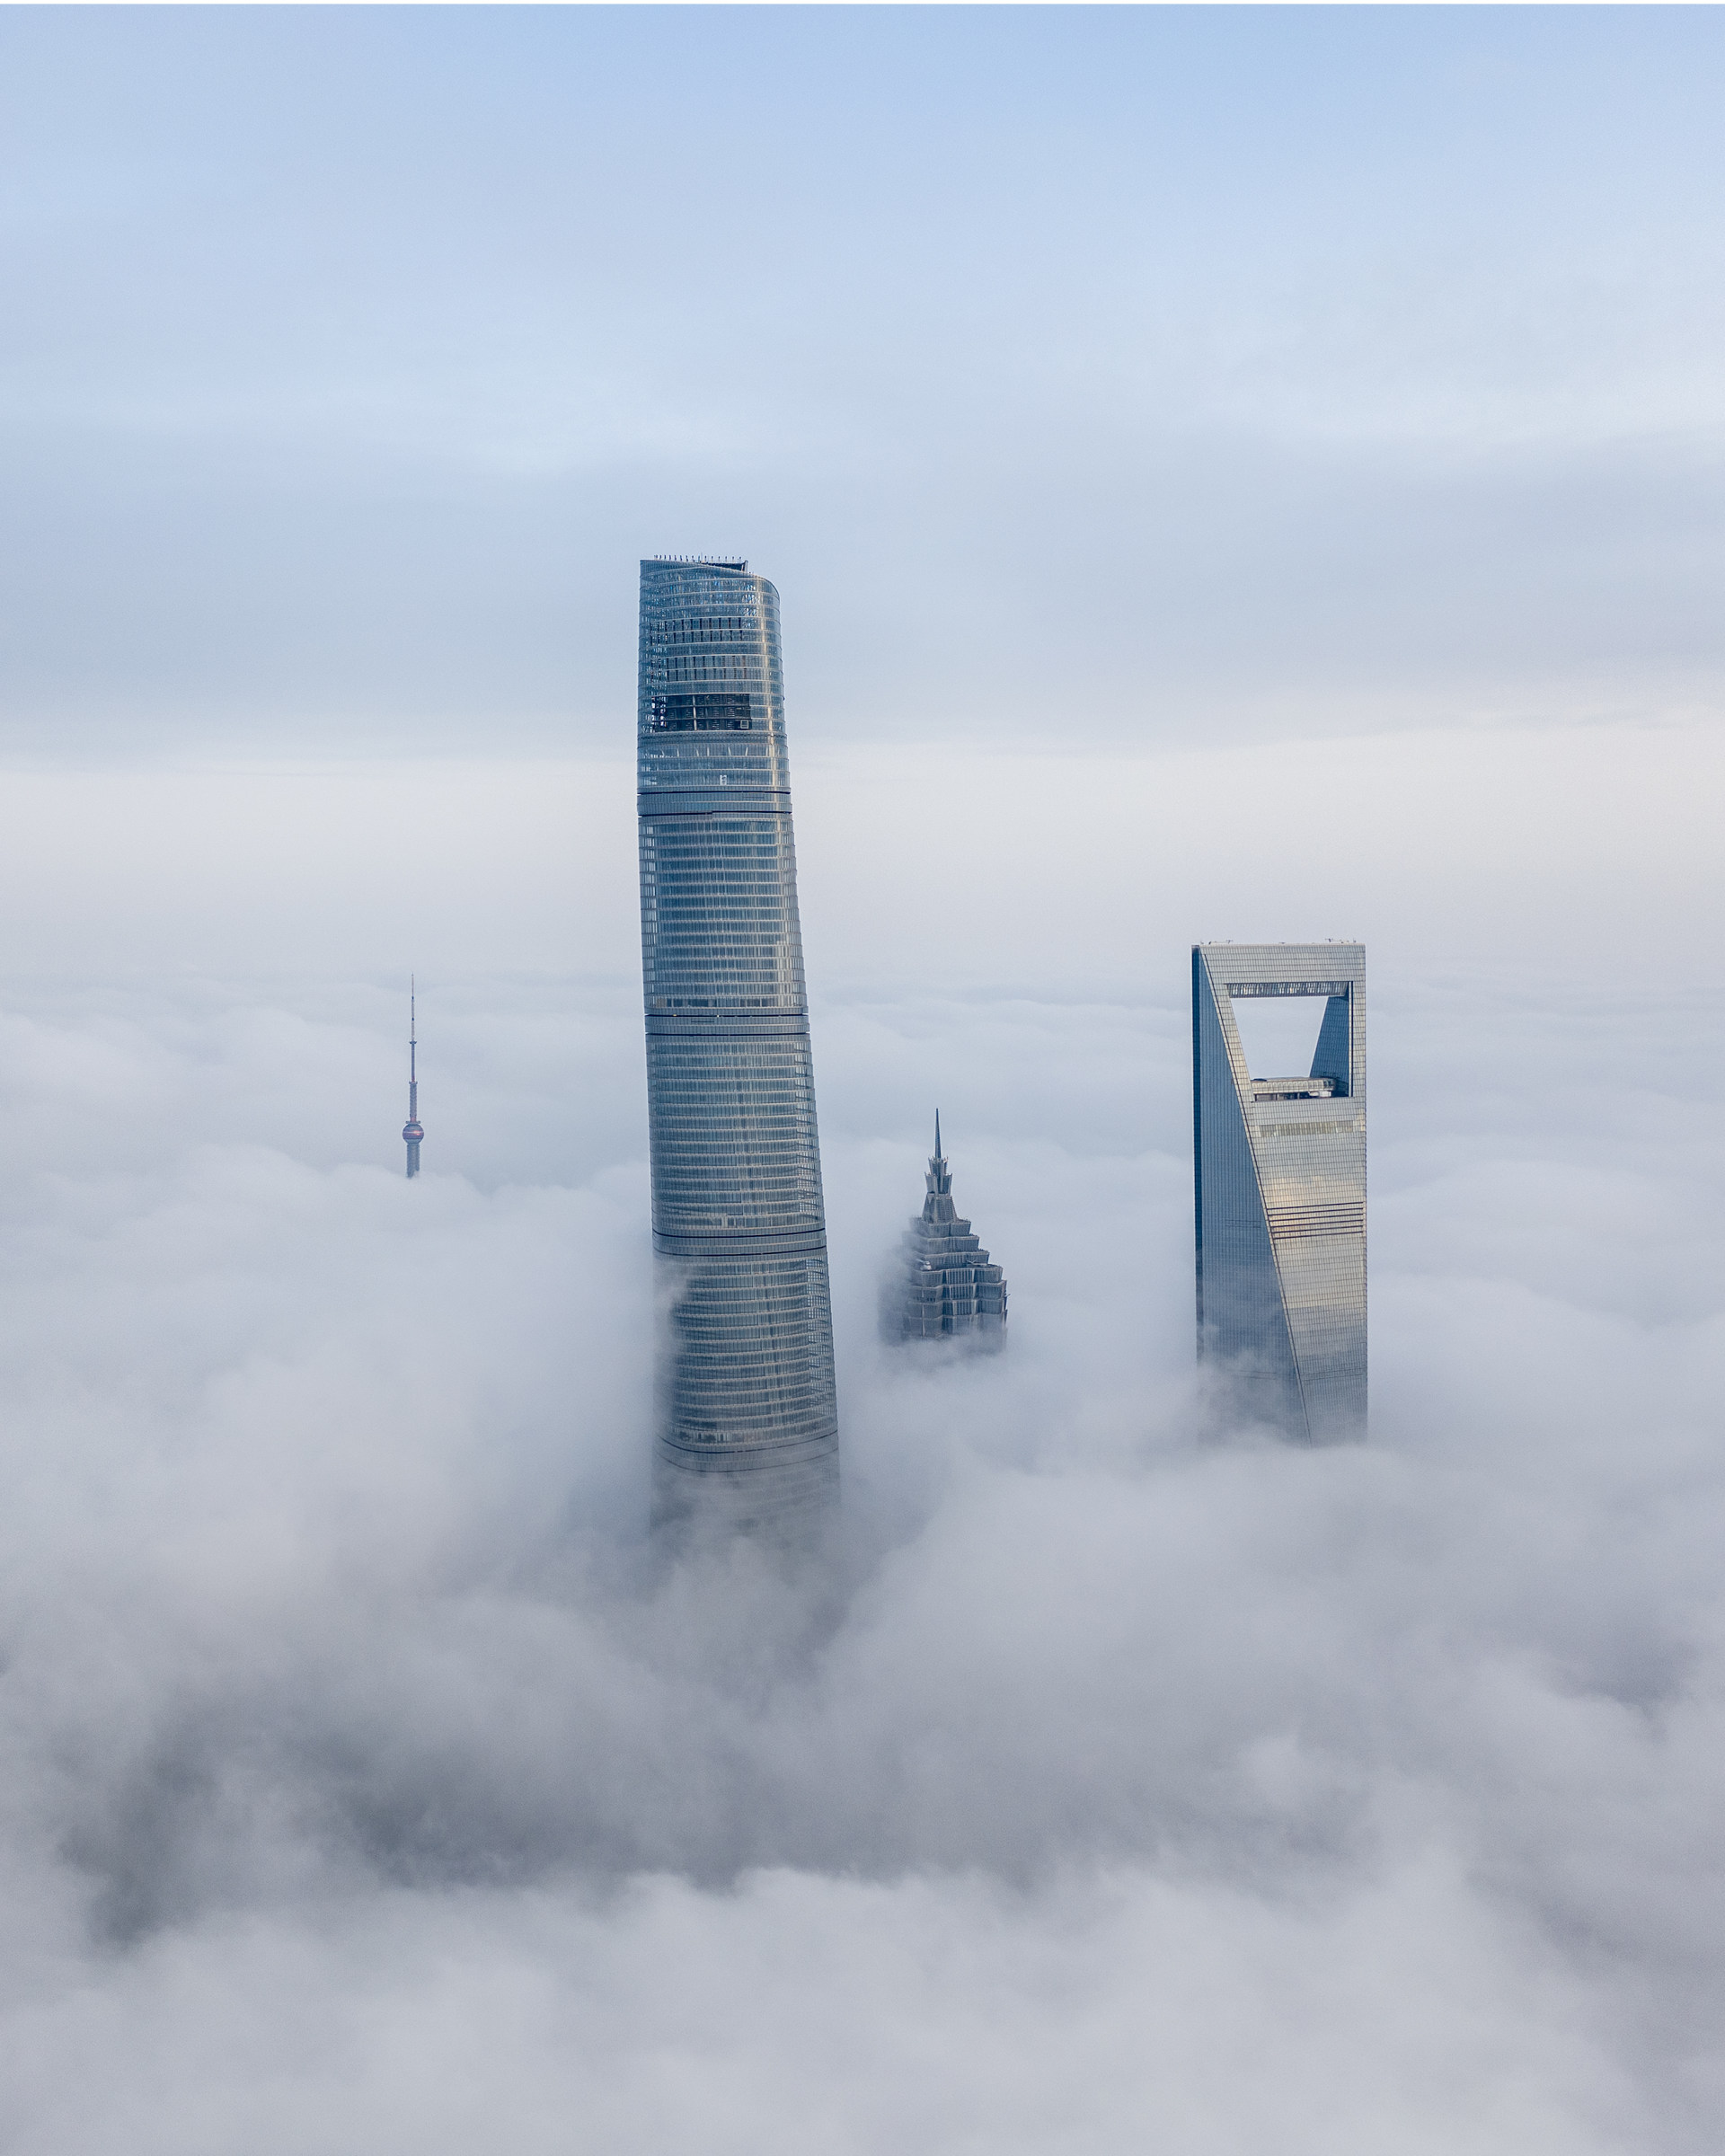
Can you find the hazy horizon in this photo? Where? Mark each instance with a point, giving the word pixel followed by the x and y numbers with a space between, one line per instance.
pixel 1228 473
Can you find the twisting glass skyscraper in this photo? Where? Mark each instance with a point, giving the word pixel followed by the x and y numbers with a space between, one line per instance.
pixel 1280 1165
pixel 748 1422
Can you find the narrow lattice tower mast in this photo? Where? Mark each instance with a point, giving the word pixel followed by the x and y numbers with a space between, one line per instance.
pixel 412 1130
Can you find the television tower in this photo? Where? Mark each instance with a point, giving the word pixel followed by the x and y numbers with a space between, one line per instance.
pixel 412 1130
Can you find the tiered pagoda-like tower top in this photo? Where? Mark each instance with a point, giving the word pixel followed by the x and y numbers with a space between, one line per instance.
pixel 950 1287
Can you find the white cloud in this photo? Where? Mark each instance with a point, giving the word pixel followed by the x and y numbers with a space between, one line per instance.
pixel 368 1782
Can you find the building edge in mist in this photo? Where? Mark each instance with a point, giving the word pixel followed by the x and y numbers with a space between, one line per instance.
pixel 1280 1163
pixel 747 1422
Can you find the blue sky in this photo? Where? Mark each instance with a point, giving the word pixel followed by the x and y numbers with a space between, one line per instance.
pixel 1228 372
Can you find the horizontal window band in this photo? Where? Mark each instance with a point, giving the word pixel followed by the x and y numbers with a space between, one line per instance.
pixel 824 1434
pixel 712 801
pixel 727 1025
pixel 1313 1130
pixel 1288 987
pixel 691 1453
pixel 1288 1223
pixel 739 1242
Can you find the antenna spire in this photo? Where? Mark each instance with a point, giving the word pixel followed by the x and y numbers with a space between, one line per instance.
pixel 937 1134
pixel 412 1130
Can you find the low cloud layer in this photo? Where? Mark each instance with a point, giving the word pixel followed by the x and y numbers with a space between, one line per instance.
pixel 369 1786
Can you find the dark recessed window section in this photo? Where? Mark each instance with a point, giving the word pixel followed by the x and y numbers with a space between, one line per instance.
pixel 702 710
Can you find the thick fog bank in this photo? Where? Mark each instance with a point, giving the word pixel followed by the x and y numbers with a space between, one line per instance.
pixel 369 1786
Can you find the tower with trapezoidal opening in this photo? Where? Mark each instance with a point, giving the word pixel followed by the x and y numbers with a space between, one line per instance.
pixel 1280 1170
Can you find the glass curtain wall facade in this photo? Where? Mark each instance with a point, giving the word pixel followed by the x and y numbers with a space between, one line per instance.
pixel 748 1422
pixel 1280 1167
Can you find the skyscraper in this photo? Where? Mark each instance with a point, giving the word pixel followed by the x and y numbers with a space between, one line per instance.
pixel 949 1288
pixel 412 1130
pixel 1280 1165
pixel 749 1419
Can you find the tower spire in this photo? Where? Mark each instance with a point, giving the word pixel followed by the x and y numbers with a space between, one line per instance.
pixel 412 1130
pixel 937 1134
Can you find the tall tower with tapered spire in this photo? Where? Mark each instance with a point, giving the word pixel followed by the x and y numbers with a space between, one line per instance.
pixel 949 1286
pixel 412 1130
